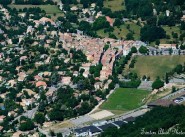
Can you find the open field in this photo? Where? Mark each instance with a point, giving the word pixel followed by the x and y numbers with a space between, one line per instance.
pixel 50 9
pixel 125 99
pixel 154 66
pixel 114 5
pixel 101 114
pixel 169 31
pixel 123 30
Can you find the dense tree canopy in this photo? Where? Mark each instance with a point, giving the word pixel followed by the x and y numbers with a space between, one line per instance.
pixel 152 33
pixel 157 84
pixel 100 23
pixel 153 120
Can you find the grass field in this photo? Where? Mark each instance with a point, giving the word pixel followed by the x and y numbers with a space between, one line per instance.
pixel 169 31
pixel 123 31
pixel 154 66
pixel 50 9
pixel 125 99
pixel 114 5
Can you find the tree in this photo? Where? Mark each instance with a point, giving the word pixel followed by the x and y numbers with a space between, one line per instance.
pixel 129 36
pixel 39 118
pixel 167 78
pixel 182 25
pixel 117 22
pixel 134 50
pixel 157 42
pixel 152 33
pixel 173 89
pixel 71 17
pixel 157 83
pixel 178 69
pixel 59 135
pixel 100 23
pixel 5 2
pixel 84 26
pixel 55 77
pixel 106 47
pixel 55 115
pixel 170 51
pixel 85 3
pixel 143 50
pixel 27 125
pixel 182 47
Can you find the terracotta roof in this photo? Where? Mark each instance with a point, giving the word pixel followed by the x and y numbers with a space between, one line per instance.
pixel 41 83
pixel 110 20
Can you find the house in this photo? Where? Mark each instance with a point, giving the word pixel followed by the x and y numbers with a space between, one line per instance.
pixel 74 8
pixel 106 86
pixel 30 29
pixel 177 81
pixel 1 128
pixel 22 76
pixel 17 134
pixel 2 117
pixel 50 92
pixel 11 83
pixel 87 131
pixel 98 85
pixel 98 99
pixel 29 91
pixel 43 20
pixel 27 102
pixel 167 13
pixel 119 123
pixel 106 126
pixel 12 113
pixel 110 20
pixel 129 119
pixel 75 73
pixel 86 74
pixel 47 124
pixel 37 78
pixel 167 46
pixel 85 66
pixel 41 84
pixel 183 18
pixel 66 80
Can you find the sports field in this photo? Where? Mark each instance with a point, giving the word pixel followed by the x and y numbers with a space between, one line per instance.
pixel 114 5
pixel 154 66
pixel 49 9
pixel 125 99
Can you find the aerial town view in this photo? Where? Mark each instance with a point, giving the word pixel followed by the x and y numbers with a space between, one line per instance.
pixel 92 68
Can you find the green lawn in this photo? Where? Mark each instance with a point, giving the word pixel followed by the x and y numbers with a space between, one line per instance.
pixel 122 31
pixel 50 9
pixel 114 5
pixel 154 66
pixel 125 99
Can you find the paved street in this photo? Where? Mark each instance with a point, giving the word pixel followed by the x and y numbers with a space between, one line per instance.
pixel 175 93
pixel 30 113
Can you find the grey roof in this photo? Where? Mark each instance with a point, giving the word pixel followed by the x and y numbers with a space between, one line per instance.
pixel 91 129
pixel 104 127
pixel 129 119
pixel 119 123
pixel 177 80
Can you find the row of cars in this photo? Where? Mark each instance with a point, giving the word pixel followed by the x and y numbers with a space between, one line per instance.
pixel 179 99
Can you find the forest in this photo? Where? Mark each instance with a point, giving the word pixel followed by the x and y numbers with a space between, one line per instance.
pixel 165 118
